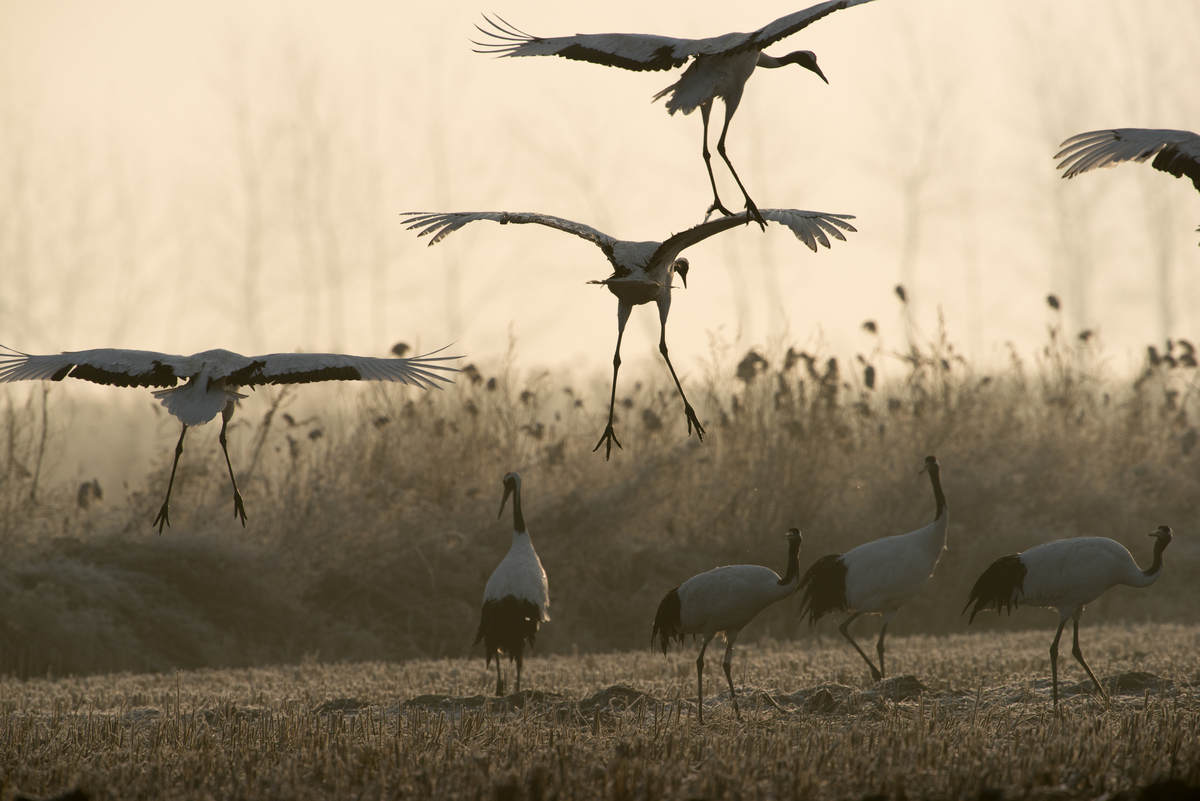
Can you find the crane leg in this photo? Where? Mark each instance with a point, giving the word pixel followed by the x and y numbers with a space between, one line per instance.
pixel 519 660
pixel 717 205
pixel 1054 662
pixel 879 649
pixel 845 630
pixel 727 663
pixel 1078 654
pixel 609 437
pixel 700 678
pixel 688 411
pixel 164 517
pixel 751 209
pixel 239 508
pixel 499 678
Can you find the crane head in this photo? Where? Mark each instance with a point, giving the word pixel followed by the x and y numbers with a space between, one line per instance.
pixel 1163 534
pixel 793 535
pixel 931 463
pixel 681 269
pixel 806 59
pixel 512 483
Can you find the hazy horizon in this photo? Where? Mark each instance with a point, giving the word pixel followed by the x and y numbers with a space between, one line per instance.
pixel 180 178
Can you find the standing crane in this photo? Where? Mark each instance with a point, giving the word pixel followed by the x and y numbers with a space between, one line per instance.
pixel 516 598
pixel 880 576
pixel 213 378
pixel 720 67
pixel 642 271
pixel 1176 152
pixel 723 599
pixel 1065 575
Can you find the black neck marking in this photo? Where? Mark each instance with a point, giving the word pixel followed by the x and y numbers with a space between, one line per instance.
pixel 518 517
pixel 793 562
pixel 1160 544
pixel 939 497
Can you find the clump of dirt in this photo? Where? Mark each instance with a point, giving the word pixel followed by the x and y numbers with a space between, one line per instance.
pixel 1135 682
pixel 899 688
pixel 617 696
pixel 823 699
pixel 347 706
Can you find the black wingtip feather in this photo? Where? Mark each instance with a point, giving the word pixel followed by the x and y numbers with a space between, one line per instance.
pixel 1000 585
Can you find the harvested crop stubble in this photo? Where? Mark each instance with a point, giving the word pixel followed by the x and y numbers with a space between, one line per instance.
pixel 971 714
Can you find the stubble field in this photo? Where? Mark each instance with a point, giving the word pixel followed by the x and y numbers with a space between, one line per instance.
pixel 969 716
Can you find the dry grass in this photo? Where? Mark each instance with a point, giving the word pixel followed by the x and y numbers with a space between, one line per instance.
pixel 970 715
pixel 373 524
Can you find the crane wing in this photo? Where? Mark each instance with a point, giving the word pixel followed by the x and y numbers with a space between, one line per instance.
pixel 644 51
pixel 424 371
pixel 1178 152
pixel 631 51
pixel 442 225
pixel 781 28
pixel 813 228
pixel 121 368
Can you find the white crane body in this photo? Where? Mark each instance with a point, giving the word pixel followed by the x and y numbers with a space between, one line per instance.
pixel 878 577
pixel 720 67
pixel 1065 575
pixel 722 601
pixel 642 271
pixel 727 597
pixel 908 560
pixel 211 379
pixel 708 77
pixel 1071 573
pixel 516 598
pixel 520 575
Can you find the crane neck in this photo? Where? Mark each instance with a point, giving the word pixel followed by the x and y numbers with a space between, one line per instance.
pixel 518 516
pixel 939 497
pixel 793 563
pixel 770 62
pixel 802 57
pixel 1155 568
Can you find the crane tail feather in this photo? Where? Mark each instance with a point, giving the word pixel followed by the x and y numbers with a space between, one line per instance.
pixel 1000 586
pixel 823 588
pixel 668 622
pixel 507 625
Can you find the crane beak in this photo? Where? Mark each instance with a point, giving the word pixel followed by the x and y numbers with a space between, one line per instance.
pixel 808 60
pixel 507 491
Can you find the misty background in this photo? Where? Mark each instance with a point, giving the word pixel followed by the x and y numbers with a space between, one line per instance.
pixel 180 178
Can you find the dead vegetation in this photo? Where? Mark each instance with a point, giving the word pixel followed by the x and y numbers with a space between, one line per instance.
pixel 970 719
pixel 373 519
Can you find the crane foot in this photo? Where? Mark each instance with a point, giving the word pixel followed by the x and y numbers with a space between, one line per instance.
pixel 239 508
pixel 717 205
pixel 163 518
pixel 754 213
pixel 607 439
pixel 693 421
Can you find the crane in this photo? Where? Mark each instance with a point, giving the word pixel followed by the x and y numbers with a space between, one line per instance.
pixel 212 381
pixel 723 599
pixel 642 271
pixel 880 576
pixel 1175 152
pixel 1065 575
pixel 516 598
pixel 720 67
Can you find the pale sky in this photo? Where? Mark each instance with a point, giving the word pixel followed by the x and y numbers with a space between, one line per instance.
pixel 127 213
